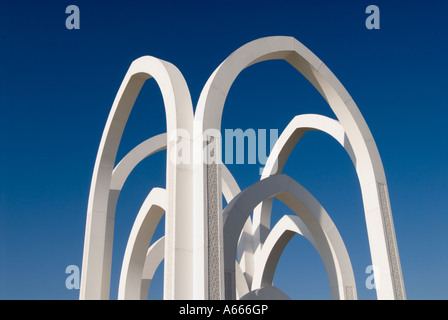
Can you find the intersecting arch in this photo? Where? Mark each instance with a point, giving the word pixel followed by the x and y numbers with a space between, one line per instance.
pixel 316 225
pixel 279 237
pixel 279 155
pixel 378 215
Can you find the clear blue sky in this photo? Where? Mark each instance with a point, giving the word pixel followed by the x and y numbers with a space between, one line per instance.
pixel 57 87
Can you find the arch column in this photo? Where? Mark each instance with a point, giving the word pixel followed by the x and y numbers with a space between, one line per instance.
pixel 95 279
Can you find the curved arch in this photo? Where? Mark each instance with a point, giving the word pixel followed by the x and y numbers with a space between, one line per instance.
pixel 280 153
pixel 145 149
pixel 154 257
pixel 148 217
pixel 381 233
pixel 326 237
pixel 95 281
pixel 294 131
pixel 276 242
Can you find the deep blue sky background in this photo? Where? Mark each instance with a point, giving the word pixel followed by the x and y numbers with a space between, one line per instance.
pixel 57 87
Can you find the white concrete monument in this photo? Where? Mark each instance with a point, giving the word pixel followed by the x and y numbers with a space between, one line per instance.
pixel 201 238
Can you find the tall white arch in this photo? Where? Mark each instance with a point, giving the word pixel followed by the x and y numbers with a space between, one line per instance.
pixel 378 215
pixel 95 280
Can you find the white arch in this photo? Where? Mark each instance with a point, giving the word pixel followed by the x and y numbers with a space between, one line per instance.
pixel 145 149
pixel 294 131
pixel 148 217
pixel 276 242
pixel 321 228
pixel 369 168
pixel 280 153
pixel 154 257
pixel 95 281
